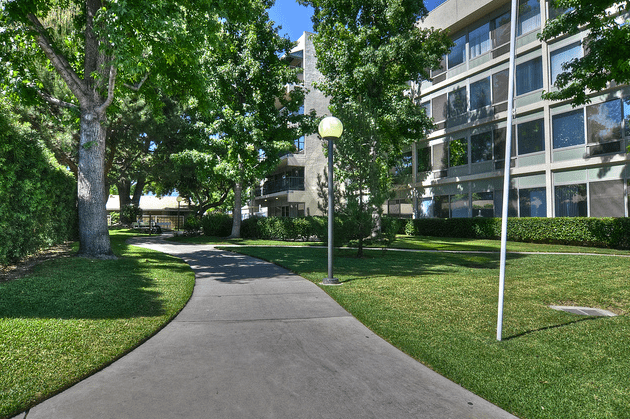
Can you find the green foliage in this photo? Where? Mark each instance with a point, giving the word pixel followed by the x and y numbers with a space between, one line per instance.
pixel 607 47
pixel 192 225
pixel 216 224
pixel 130 213
pixel 37 197
pixel 595 232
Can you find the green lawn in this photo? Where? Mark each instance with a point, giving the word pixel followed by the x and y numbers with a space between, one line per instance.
pixel 73 316
pixel 441 308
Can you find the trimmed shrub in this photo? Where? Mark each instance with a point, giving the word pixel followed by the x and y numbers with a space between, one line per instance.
pixel 216 224
pixel 192 225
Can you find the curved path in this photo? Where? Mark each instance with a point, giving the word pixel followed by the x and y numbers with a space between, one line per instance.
pixel 256 341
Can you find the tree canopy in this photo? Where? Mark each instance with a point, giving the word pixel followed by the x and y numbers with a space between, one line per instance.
pixel 606 47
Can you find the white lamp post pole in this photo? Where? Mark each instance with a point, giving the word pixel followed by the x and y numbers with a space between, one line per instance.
pixel 330 128
pixel 179 201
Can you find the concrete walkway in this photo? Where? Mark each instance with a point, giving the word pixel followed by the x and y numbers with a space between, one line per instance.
pixel 256 341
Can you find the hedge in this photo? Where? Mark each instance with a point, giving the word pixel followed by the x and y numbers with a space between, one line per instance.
pixel 216 224
pixel 581 231
pixel 37 196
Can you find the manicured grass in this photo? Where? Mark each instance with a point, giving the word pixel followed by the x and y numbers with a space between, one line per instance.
pixel 441 308
pixel 73 316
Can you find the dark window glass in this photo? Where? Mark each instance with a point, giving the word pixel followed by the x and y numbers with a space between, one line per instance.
pixel 607 198
pixel 528 16
pixel 571 201
pixel 500 86
pixel 568 129
pixel 458 152
pixel 481 147
pixel 441 69
pixel 512 203
pixel 626 114
pixel 441 206
pixel 603 121
pixel 424 159
pixel 457 102
pixel 533 202
pixel 438 108
pixel 500 135
pixel 480 94
pixel 483 204
pixel 458 54
pixel 501 30
pixel 459 206
pixel 531 137
pixel 529 76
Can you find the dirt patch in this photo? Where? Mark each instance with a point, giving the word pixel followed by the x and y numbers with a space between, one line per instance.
pixel 26 265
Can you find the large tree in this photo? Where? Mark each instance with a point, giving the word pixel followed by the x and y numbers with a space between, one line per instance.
pixel 110 45
pixel 607 47
pixel 368 51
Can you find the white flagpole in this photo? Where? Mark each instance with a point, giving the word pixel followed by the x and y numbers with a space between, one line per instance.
pixel 506 172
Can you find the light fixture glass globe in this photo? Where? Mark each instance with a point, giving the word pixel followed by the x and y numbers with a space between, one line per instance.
pixel 179 199
pixel 330 127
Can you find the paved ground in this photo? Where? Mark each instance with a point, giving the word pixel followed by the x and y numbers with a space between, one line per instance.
pixel 256 341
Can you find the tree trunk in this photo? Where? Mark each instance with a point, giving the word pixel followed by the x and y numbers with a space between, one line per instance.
pixel 124 190
pixel 237 213
pixel 93 233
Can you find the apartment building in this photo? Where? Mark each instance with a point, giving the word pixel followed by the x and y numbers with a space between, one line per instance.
pixel 565 161
pixel 291 190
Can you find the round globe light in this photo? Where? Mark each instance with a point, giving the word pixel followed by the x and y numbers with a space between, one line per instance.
pixel 330 127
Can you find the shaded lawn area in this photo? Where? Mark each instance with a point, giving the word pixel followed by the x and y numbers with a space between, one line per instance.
pixel 73 316
pixel 441 308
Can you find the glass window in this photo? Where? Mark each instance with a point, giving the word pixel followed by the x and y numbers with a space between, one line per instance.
pixel 528 16
pixel 457 102
pixel 533 202
pixel 424 159
pixel 438 108
pixel 441 69
pixel 626 114
pixel 425 208
pixel 500 86
pixel 459 206
pixel 568 129
pixel 299 144
pixel 554 11
pixel 603 122
pixel 480 94
pixel 427 107
pixel 440 152
pixel 500 135
pixel 607 198
pixel 531 137
pixel 562 56
pixel 458 152
pixel 404 166
pixel 483 204
pixel 571 201
pixel 457 55
pixel 512 203
pixel 529 76
pixel 441 206
pixel 501 30
pixel 479 40
pixel 481 147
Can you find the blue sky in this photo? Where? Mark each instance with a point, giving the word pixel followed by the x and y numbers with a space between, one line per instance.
pixel 296 19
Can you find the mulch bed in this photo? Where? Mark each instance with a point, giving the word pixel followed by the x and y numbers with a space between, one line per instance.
pixel 26 265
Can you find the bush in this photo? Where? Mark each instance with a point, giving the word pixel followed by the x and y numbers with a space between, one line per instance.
pixel 216 224
pixel 37 195
pixel 192 225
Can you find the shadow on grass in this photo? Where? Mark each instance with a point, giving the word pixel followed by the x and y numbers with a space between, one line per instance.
pixel 78 288
pixel 554 326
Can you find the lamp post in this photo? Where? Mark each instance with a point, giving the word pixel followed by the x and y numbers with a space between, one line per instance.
pixel 179 201
pixel 330 128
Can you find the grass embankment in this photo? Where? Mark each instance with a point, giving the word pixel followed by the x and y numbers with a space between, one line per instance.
pixel 441 308
pixel 73 316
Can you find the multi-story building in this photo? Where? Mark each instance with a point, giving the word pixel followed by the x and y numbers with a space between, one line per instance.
pixel 291 190
pixel 565 161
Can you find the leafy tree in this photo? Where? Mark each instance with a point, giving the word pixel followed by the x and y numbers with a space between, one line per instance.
pixel 105 47
pixel 607 47
pixel 368 51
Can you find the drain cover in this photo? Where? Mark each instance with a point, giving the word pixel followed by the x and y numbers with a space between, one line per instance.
pixel 585 311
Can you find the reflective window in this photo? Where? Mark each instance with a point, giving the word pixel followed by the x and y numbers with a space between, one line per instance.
pixel 458 53
pixel 481 147
pixel 501 30
pixel 529 76
pixel 458 152
pixel 562 56
pixel 404 166
pixel 483 204
pixel 479 40
pixel 532 202
pixel 603 121
pixel 571 201
pixel 528 16
pixel 531 137
pixel 626 114
pixel 459 206
pixel 441 69
pixel 480 94
pixel 457 102
pixel 441 206
pixel 424 159
pixel 568 129
pixel 500 86
pixel 500 135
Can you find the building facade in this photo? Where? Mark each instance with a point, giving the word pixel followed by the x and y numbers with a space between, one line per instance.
pixel 291 190
pixel 565 161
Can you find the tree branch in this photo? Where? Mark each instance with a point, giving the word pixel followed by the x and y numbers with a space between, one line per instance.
pixel 110 91
pixel 137 86
pixel 53 100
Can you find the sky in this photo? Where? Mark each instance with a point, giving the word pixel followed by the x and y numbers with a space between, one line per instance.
pixel 296 19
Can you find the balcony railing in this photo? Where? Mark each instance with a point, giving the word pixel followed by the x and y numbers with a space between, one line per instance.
pixel 281 185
